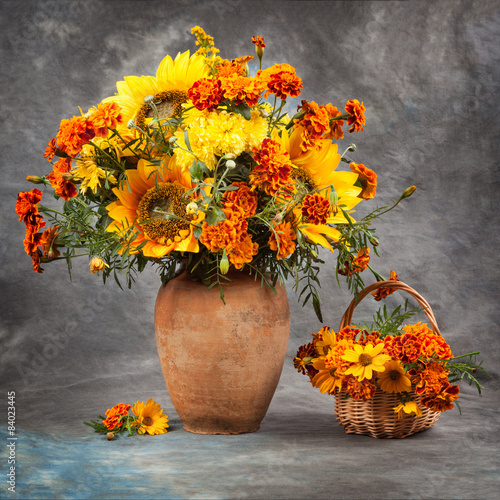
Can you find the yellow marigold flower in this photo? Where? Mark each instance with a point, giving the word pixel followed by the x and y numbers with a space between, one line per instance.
pixel 408 408
pixel 394 379
pixel 96 265
pixel 150 417
pixel 366 359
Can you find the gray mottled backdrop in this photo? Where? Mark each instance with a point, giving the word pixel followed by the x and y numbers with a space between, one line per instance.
pixel 428 73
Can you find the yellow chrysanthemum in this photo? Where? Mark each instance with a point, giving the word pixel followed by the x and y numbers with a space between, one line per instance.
pixel 217 133
pixel 150 417
pixel 169 88
pixel 86 170
pixel 409 407
pixel 393 378
pixel 154 210
pixel 366 359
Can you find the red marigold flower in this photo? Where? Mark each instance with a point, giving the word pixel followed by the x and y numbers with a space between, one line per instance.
pixel 51 149
pixel 107 115
pixel 305 351
pixel 47 242
pixel 367 178
pixel 382 293
pixel 206 93
pixel 73 134
pixel 27 209
pixel 356 264
pixel 313 125
pixel 258 41
pixel 62 187
pixel 349 333
pixel 36 257
pixel 113 415
pixel 359 391
pixel 283 239
pixel 357 112
pixel 407 347
pixel 273 169
pixel 442 401
pixel 243 200
pixel 336 131
pixel 31 241
pixel 316 209
pixel 281 80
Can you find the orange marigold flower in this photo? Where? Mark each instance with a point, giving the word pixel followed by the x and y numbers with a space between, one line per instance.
pixel 73 134
pixel 313 124
pixel 367 178
pixel 113 415
pixel 244 251
pixel 359 391
pixel 356 264
pixel 382 293
pixel 283 239
pixel 31 241
pixel 47 242
pixel 273 169
pixel 243 200
pixel 305 351
pixel 36 257
pixel 240 89
pixel 336 131
pixel 435 345
pixel 442 401
pixel 333 359
pixel 407 347
pixel 206 93
pixel 316 209
pixel 107 115
pixel 281 80
pixel 62 187
pixel 349 333
pixel 357 112
pixel 429 378
pixel 227 68
pixel 27 209
pixel 51 149
pixel 258 41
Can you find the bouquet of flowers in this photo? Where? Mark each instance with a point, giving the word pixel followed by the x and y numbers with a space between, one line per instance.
pixel 412 361
pixel 146 418
pixel 202 166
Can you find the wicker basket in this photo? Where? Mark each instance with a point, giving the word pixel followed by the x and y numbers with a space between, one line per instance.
pixel 376 417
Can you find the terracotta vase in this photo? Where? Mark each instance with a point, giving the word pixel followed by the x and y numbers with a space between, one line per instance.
pixel 221 363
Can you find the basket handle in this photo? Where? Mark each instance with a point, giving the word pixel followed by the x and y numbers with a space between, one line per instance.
pixel 346 319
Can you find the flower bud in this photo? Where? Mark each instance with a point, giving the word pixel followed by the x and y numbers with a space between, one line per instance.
pixel 408 192
pixel 224 263
pixel 351 147
pixel 230 156
pixel 149 98
pixel 230 164
pixel 173 139
pixel 35 179
pixel 51 253
pixel 374 241
pixel 96 265
pixel 278 218
pixel 67 176
pixel 131 123
pixel 192 208
pixel 110 436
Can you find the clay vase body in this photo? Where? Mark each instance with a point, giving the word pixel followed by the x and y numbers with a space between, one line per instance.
pixel 221 363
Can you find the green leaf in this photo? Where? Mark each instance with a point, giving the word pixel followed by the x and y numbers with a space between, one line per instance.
pixel 244 110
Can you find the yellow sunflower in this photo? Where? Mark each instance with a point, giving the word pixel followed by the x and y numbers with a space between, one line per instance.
pixel 316 169
pixel 150 417
pixel 393 378
pixel 169 89
pixel 365 359
pixel 151 215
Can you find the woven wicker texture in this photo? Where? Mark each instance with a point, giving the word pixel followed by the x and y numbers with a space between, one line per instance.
pixel 376 417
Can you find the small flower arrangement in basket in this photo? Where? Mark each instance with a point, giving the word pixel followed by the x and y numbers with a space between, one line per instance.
pixel 388 380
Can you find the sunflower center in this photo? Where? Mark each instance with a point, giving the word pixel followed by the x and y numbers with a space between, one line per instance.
pixel 302 175
pixel 147 420
pixel 168 104
pixel 157 206
pixel 365 359
pixel 394 375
